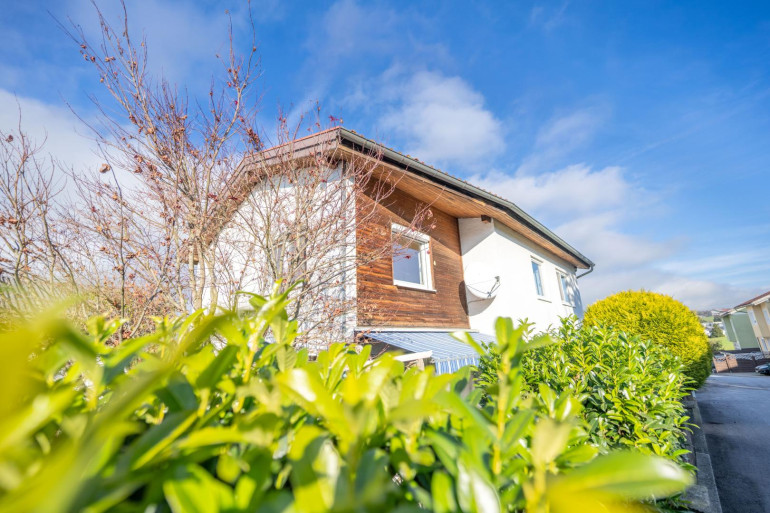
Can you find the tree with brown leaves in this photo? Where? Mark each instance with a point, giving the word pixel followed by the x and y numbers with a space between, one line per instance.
pixel 189 206
pixel 170 163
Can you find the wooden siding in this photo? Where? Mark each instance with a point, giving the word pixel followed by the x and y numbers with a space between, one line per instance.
pixel 380 302
pixel 460 205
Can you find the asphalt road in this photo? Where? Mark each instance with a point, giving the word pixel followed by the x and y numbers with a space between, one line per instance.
pixel 736 422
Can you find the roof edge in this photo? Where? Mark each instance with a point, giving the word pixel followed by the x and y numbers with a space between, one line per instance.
pixel 412 164
pixel 755 300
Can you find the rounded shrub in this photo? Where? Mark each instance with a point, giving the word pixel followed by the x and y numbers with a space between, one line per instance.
pixel 660 319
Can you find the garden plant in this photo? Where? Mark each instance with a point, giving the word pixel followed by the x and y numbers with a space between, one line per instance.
pixel 221 413
pixel 660 319
pixel 630 390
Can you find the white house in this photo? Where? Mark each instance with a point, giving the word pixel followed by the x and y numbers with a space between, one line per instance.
pixel 435 254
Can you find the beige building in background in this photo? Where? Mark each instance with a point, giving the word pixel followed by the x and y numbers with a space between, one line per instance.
pixel 758 309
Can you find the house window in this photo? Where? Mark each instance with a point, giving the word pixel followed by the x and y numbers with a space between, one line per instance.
pixel 538 279
pixel 411 258
pixel 564 288
pixel 766 311
pixel 752 316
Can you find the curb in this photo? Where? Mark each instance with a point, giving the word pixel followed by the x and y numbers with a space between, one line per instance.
pixel 704 496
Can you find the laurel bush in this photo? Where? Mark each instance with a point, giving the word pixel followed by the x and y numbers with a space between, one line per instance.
pixel 631 390
pixel 660 319
pixel 220 413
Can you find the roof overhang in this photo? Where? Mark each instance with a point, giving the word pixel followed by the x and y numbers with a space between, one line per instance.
pixel 755 301
pixel 433 186
pixel 505 211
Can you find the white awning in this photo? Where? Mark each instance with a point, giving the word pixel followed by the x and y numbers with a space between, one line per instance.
pixel 448 353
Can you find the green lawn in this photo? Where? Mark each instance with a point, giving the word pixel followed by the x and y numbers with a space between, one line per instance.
pixel 726 344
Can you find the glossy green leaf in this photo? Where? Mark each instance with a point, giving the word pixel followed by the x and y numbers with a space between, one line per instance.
pixel 442 490
pixel 222 364
pixel 629 475
pixel 315 470
pixel 159 437
pixel 190 489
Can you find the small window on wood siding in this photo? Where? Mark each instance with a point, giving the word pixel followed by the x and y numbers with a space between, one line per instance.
pixel 411 258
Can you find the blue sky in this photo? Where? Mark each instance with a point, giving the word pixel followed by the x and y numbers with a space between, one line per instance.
pixel 638 131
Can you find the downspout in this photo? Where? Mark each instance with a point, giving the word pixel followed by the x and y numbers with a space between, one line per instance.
pixel 589 271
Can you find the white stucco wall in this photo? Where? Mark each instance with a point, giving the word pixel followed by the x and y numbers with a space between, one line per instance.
pixel 502 252
pixel 246 262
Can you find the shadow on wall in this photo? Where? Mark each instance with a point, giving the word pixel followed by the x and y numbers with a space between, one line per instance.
pixel 576 298
pixel 473 305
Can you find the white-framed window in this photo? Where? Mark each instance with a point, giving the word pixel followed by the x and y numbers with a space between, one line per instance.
pixel 752 317
pixel 538 277
pixel 766 311
pixel 565 290
pixel 411 258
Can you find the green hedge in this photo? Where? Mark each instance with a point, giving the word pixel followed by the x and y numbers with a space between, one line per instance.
pixel 660 319
pixel 204 415
pixel 630 389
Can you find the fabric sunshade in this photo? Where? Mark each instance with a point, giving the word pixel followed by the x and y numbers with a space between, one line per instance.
pixel 449 354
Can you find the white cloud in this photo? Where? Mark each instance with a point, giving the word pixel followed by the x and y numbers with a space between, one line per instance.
pixel 590 209
pixel 62 132
pixel 571 130
pixel 182 37
pixel 699 294
pixel 574 189
pixel 593 210
pixel 587 207
pixel 601 237
pixel 347 28
pixel 344 37
pixel 442 119
pixel 349 34
pixel 562 135
pixel 721 263
pixel 548 16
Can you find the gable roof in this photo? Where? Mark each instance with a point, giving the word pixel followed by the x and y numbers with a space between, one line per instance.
pixel 505 211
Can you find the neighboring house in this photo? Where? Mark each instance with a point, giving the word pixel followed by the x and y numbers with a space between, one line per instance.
pixel 738 328
pixel 758 311
pixel 481 257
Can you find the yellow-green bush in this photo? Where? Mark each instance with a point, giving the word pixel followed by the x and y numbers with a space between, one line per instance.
pixel 660 319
